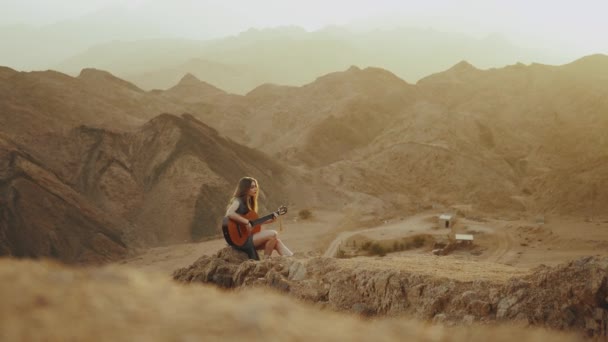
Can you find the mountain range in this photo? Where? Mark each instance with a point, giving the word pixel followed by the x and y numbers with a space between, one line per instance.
pixel 142 168
pixel 293 56
pixel 237 64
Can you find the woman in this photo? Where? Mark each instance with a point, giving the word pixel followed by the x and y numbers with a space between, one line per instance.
pixel 245 199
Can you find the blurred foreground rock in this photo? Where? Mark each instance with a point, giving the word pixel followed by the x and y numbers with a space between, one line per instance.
pixel 570 297
pixel 43 301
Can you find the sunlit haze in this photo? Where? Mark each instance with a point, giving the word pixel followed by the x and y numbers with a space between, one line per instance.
pixel 567 28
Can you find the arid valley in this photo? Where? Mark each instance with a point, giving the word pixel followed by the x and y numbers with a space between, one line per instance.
pixel 470 204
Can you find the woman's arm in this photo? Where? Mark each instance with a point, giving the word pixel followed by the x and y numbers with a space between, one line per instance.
pixel 272 219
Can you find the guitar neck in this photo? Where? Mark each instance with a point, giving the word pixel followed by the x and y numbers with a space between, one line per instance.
pixel 263 219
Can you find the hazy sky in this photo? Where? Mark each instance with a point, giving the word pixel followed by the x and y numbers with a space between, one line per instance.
pixel 579 27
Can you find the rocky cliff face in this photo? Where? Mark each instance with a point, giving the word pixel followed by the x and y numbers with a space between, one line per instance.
pixel 573 296
pixel 40 216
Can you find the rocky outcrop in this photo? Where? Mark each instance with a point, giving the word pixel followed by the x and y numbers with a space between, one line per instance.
pixel 573 296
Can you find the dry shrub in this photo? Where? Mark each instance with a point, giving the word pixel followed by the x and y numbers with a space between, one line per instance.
pixel 366 246
pixel 377 249
pixel 418 241
pixel 305 214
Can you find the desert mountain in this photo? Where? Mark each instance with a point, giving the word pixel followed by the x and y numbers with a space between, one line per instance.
pixel 170 179
pixel 167 180
pixel 32 103
pixel 317 123
pixel 40 216
pixel 593 67
pixel 46 215
pixel 547 122
pixel 468 135
pixel 107 84
pixel 520 138
pixel 192 90
pixel 293 56
pixel 236 78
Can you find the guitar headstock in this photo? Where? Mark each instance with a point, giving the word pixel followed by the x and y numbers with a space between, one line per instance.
pixel 282 210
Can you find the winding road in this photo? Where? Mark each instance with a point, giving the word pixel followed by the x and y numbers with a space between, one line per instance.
pixel 407 226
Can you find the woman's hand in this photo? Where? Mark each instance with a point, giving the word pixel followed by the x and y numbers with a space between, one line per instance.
pixel 249 227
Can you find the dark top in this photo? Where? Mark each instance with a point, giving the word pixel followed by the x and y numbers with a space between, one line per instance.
pixel 243 209
pixel 248 247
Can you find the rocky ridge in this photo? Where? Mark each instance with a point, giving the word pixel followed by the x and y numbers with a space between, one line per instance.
pixel 572 297
pixel 117 304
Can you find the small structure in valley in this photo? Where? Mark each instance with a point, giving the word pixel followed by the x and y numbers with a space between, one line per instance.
pixel 464 238
pixel 446 221
pixel 455 240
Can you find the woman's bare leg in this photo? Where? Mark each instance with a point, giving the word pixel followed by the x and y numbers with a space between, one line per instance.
pixel 282 249
pixel 270 246
pixel 264 238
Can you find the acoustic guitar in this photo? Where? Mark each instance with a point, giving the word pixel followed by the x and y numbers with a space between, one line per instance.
pixel 236 233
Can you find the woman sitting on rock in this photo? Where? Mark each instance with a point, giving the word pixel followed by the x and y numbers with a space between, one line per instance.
pixel 245 200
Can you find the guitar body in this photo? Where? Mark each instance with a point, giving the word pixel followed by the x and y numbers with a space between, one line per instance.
pixel 236 233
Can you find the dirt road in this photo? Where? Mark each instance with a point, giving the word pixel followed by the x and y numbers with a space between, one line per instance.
pixel 414 224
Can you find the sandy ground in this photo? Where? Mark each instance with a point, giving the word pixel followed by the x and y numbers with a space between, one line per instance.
pixel 498 243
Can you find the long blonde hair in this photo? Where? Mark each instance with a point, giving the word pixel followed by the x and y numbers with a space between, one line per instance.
pixel 241 192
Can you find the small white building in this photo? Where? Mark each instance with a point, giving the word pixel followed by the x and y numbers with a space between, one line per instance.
pixel 446 221
pixel 463 237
